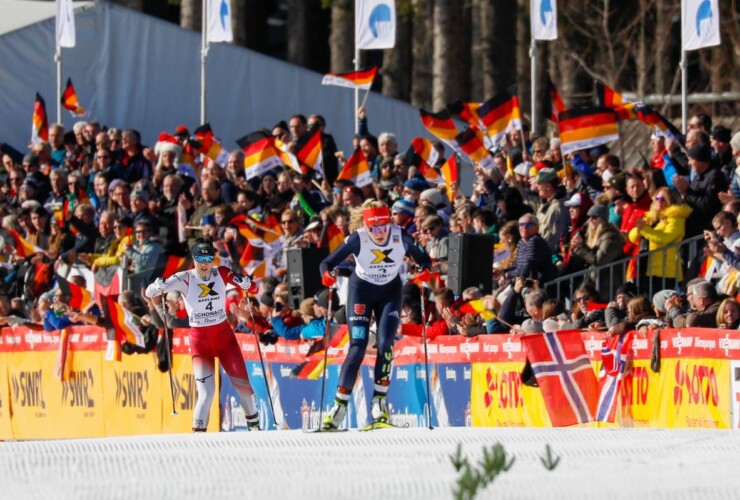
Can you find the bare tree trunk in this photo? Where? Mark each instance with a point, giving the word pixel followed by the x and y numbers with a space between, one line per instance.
pixel 341 40
pixel 477 20
pixel 641 62
pixel 397 61
pixel 249 23
pixel 298 28
pixel 421 49
pixel 661 35
pixel 523 61
pixel 446 63
pixel 191 14
pixel 499 63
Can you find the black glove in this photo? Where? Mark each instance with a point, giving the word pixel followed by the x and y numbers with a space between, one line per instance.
pixel 268 338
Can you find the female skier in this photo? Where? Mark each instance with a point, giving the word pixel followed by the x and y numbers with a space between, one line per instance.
pixel 374 288
pixel 204 291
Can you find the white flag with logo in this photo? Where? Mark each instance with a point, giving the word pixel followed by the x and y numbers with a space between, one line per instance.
pixel 219 21
pixel 544 19
pixel 375 24
pixel 700 24
pixel 65 23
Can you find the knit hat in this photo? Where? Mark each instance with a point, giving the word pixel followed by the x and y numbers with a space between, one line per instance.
pixel 660 298
pixel 601 211
pixel 416 184
pixel 433 196
pixel 322 299
pixel 403 206
pixel 267 300
pixel 547 174
pixel 141 194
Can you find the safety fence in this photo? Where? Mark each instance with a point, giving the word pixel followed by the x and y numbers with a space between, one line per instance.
pixel 692 380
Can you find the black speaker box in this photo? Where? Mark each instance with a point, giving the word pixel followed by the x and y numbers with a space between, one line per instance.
pixel 470 262
pixel 304 279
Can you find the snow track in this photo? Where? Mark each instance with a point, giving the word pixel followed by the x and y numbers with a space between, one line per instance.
pixel 392 463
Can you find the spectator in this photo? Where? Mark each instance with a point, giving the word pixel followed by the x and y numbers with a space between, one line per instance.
pixel 603 244
pixel 437 241
pixel 552 214
pixel 728 314
pixel 534 256
pixel 706 302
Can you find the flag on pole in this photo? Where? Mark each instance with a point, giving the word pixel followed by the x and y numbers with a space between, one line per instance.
pixel 451 173
pixel 610 98
pixel 125 323
pixel 357 170
pixel 651 117
pixel 362 79
pixel 473 147
pixel 167 265
pixel 422 155
pixel 79 297
pixel 375 24
pixel 586 128
pixel 210 146
pixel 441 126
pixel 700 24
pixel 70 101
pixel 477 307
pixel 23 248
pixel 40 122
pixel 544 19
pixel 65 25
pixel 262 154
pixel 308 150
pixel 331 237
pixel 219 21
pixel 313 367
pixel 564 374
pixel 501 114
pixel 553 104
pixel 614 361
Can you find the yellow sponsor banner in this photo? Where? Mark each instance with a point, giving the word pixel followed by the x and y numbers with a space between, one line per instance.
pixel 34 395
pixel 80 406
pixel 185 398
pixel 133 396
pixel 499 399
pixel 6 429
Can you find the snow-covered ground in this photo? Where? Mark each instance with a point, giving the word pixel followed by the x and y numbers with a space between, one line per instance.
pixel 393 463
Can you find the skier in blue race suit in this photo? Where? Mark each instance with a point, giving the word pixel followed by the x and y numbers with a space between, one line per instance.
pixel 374 289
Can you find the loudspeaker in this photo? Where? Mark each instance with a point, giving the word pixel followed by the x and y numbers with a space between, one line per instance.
pixel 470 262
pixel 304 279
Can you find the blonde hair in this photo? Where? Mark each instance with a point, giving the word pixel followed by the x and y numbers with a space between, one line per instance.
pixel 355 217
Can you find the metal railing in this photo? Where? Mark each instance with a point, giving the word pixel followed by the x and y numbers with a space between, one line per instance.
pixel 686 252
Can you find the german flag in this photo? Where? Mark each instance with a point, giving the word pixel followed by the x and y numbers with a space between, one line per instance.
pixel 649 116
pixel 610 98
pixel 553 104
pixel 422 155
pixel 124 323
pixel 269 231
pixel 477 307
pixel 167 265
pixel 70 101
pixel 331 237
pixel 309 150
pixel 451 173
pixel 261 271
pixel 362 79
pixel 313 367
pixel 472 146
pixel 260 153
pixel 585 128
pixel 441 126
pixel 40 122
pixel 80 298
pixel 500 114
pixel 22 247
pixel 356 170
pixel 209 145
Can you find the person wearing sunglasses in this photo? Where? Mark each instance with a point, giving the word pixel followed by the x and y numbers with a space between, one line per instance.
pixel 375 288
pixel 211 336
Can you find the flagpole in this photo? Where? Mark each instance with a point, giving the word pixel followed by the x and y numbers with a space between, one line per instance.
pixel 357 91
pixel 58 61
pixel 684 85
pixel 203 56
pixel 533 77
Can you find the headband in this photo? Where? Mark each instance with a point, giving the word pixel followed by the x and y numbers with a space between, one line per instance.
pixel 376 216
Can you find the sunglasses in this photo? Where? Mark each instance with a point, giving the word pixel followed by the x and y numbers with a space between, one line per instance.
pixel 526 224
pixel 203 259
pixel 429 229
pixel 291 221
pixel 659 198
pixel 581 299
pixel 379 229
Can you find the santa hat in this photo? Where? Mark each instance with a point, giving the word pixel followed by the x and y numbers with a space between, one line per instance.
pixel 167 143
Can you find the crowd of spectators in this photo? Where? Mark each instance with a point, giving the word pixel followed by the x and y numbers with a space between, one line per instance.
pixel 94 199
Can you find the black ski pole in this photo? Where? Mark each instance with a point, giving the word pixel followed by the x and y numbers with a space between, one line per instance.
pixel 325 341
pixel 169 355
pixel 262 362
pixel 422 286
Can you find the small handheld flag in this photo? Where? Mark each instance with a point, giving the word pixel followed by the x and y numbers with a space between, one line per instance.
pixel 362 79
pixel 40 122
pixel 70 101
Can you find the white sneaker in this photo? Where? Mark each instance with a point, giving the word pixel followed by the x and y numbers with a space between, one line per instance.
pixel 379 409
pixel 335 417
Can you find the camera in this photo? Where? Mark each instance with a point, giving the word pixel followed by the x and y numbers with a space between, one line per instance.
pixel 278 306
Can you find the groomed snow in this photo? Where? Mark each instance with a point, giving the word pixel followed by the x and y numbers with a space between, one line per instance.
pixel 394 463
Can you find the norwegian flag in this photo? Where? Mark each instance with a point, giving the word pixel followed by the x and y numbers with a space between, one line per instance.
pixel 614 361
pixel 563 371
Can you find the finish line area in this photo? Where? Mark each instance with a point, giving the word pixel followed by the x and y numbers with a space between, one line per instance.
pixel 391 463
